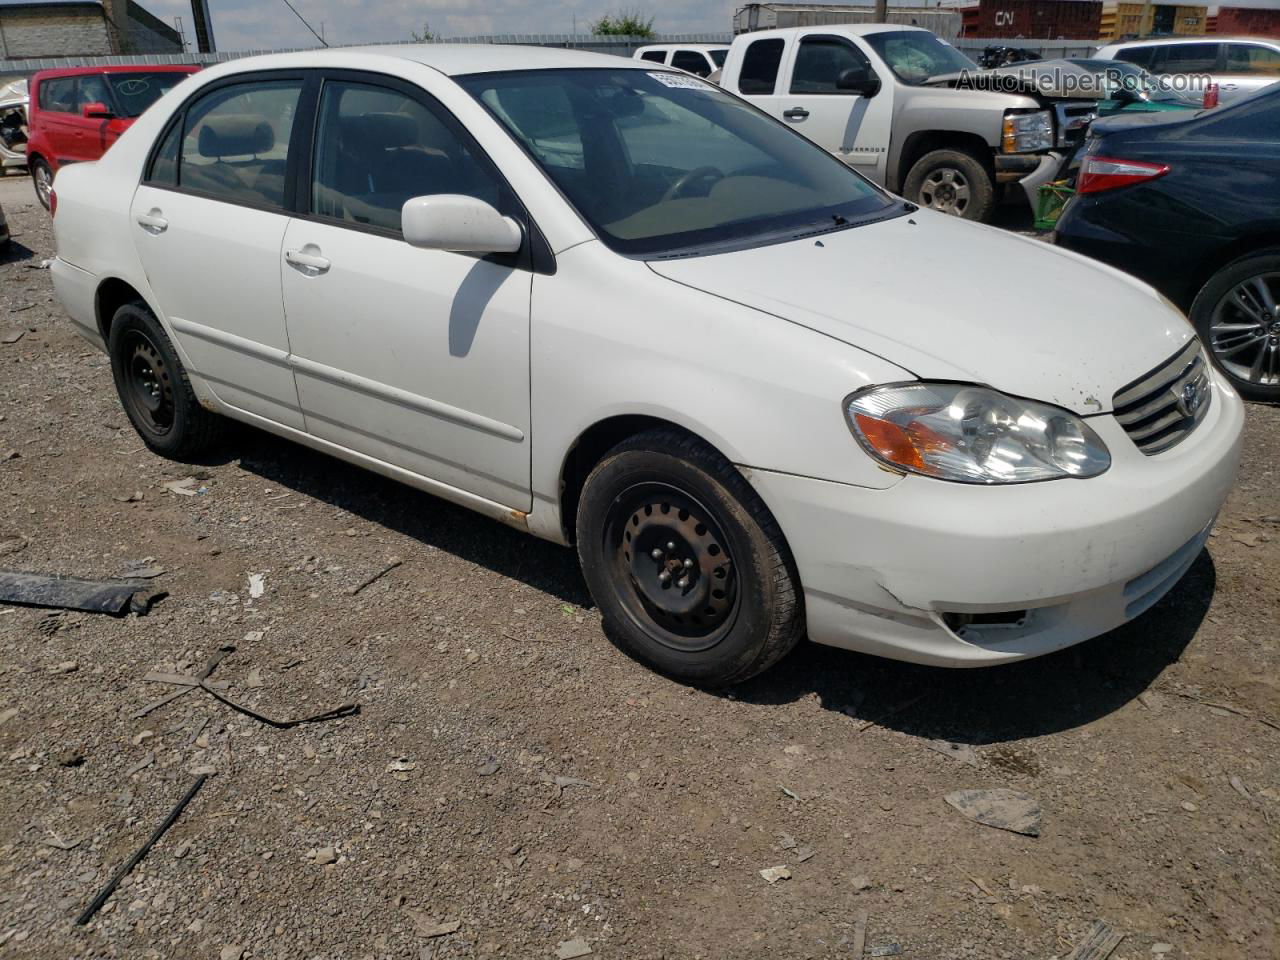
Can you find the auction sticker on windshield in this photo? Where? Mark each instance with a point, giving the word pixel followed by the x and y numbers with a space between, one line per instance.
pixel 679 80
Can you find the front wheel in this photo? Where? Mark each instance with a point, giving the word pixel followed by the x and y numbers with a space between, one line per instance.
pixel 688 567
pixel 1237 315
pixel 42 180
pixel 954 182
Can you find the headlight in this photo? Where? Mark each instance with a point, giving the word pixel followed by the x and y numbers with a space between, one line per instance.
pixel 955 431
pixel 1027 132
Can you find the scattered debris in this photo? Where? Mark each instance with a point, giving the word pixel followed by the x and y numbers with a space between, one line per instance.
pixel 401 765
pixel 962 752
pixel 60 844
pixel 1188 806
pixel 1161 948
pixel 7 714
pixel 9 454
pixel 999 808
pixel 1229 708
pixel 1151 700
pixel 570 949
pixel 391 565
pixel 1238 786
pixel 144 571
pixel 888 950
pixel 232 951
pixel 326 855
pixel 894 711
pixel 12 543
pixel 12 336
pixel 981 885
pixel 790 793
pixel 142 851
pixel 71 757
pixel 1248 539
pixel 135 497
pixel 72 593
pixel 861 883
pixel 489 767
pixel 254 679
pixel 257 585
pixel 774 874
pixel 859 934
pixel 427 928
pixel 184 487
pixel 1098 943
pixel 66 666
pixel 141 765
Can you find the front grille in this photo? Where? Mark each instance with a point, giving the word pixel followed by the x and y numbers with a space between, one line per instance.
pixel 1160 409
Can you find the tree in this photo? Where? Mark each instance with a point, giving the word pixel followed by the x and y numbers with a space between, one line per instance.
pixel 426 36
pixel 624 23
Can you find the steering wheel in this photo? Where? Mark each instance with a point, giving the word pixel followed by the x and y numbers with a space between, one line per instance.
pixel 689 179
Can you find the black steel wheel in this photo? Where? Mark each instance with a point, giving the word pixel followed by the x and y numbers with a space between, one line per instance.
pixel 687 565
pixel 154 389
pixel 1238 317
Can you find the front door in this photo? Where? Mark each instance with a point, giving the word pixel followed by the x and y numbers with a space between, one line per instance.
pixel 208 222
pixel 853 127
pixel 418 358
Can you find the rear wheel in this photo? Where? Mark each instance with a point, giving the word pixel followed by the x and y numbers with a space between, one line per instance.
pixel 41 179
pixel 687 565
pixel 1238 316
pixel 154 388
pixel 954 182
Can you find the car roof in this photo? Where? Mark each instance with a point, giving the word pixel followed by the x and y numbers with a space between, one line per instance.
pixel 857 29
pixel 88 71
pixel 683 46
pixel 451 59
pixel 1215 38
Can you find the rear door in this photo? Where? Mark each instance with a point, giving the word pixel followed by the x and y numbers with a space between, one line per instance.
pixel 1248 67
pixel 417 358
pixel 692 61
pixel 93 134
pixel 760 72
pixel 854 127
pixel 208 223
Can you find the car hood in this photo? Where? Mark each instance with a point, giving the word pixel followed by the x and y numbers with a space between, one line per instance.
pixel 951 300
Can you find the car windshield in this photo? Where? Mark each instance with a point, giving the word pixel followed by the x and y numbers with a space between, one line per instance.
pixel 665 164
pixel 916 55
pixel 718 57
pixel 134 92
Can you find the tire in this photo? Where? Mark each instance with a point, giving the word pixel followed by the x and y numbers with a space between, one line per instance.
pixel 154 389
pixel 1250 357
pixel 41 179
pixel 734 608
pixel 955 182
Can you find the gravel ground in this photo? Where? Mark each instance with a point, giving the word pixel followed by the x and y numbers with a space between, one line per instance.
pixel 432 825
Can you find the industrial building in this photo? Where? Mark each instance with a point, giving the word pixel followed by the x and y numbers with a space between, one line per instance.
pixel 75 28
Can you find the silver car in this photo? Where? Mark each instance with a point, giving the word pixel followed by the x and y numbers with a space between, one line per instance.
pixel 13 125
pixel 1238 65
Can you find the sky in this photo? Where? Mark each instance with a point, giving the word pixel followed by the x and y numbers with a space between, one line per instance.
pixel 264 24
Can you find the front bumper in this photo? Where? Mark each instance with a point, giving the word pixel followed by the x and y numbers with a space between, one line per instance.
pixel 881 568
pixel 1030 170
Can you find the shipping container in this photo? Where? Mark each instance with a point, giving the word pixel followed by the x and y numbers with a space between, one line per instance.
pixel 1152 20
pixel 1039 19
pixel 1247 22
pixel 767 16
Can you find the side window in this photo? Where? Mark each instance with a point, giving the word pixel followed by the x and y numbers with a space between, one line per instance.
pixel 377 148
pixel 1247 58
pixel 91 89
pixel 654 56
pixel 819 63
pixel 1142 56
pixel 58 95
pixel 236 142
pixel 760 61
pixel 1188 58
pixel 164 166
pixel 692 61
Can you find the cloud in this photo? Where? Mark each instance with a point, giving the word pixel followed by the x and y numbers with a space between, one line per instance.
pixel 268 24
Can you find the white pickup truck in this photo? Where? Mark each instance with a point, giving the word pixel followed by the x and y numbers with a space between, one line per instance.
pixel 904 108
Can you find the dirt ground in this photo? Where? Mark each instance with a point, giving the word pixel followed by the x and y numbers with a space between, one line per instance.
pixel 431 823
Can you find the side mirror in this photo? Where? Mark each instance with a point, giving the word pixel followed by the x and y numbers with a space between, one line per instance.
pixel 451 221
pixel 96 111
pixel 859 80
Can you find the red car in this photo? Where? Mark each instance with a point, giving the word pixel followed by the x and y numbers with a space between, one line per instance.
pixel 76 114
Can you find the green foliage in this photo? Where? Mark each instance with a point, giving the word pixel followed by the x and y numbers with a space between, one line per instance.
pixel 426 36
pixel 624 23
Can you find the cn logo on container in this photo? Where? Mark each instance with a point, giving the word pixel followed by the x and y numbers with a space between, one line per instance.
pixel 1004 18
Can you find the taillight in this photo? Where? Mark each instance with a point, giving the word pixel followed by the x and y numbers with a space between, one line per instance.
pixel 1108 173
pixel 53 202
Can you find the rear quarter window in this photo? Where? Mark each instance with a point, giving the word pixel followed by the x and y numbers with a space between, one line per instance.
pixel 760 62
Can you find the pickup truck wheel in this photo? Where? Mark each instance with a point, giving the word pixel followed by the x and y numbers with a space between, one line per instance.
pixel 689 569
pixel 42 180
pixel 1237 315
pixel 953 182
pixel 154 388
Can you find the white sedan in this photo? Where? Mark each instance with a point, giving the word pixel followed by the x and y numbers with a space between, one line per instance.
pixel 615 306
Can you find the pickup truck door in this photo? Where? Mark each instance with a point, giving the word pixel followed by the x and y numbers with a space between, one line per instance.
pixel 854 127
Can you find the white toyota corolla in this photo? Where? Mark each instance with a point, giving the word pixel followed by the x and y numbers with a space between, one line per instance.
pixel 617 307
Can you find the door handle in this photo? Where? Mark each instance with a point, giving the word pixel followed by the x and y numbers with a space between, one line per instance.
pixel 308 263
pixel 795 113
pixel 152 222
